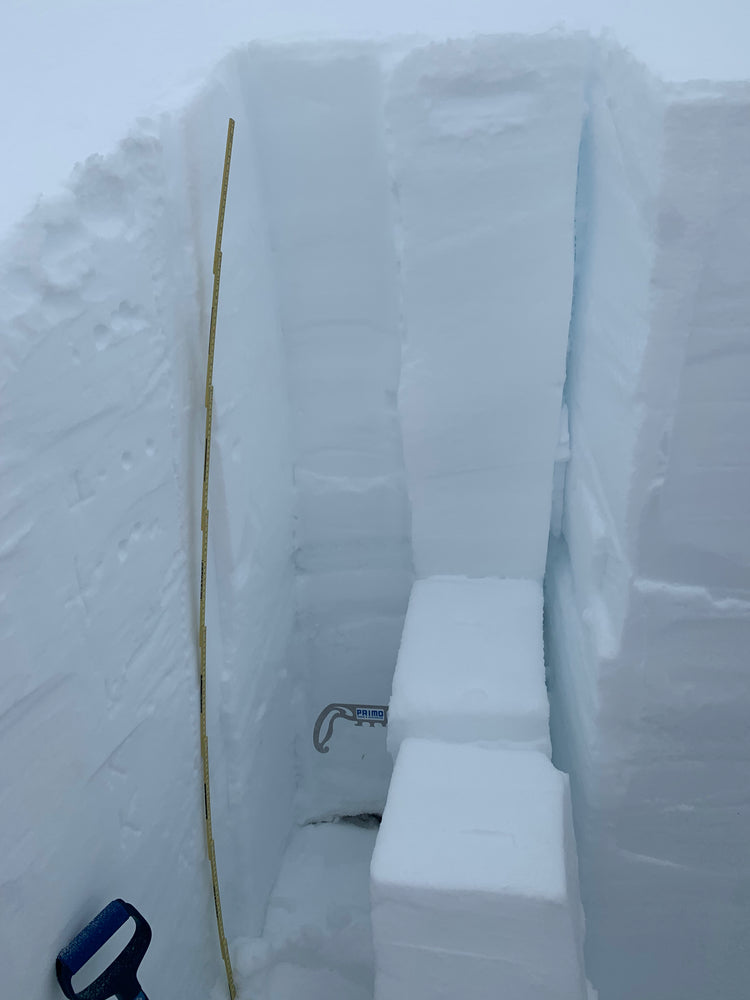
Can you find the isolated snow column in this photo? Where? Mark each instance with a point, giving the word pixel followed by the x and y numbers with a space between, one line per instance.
pixel 473 879
pixel 321 132
pixel 484 139
pixel 649 596
pixel 471 665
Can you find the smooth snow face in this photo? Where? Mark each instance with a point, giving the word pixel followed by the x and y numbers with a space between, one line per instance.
pixel 485 139
pixel 695 477
pixel 471 665
pixel 103 366
pixel 318 115
pixel 619 178
pixel 648 599
pixel 474 877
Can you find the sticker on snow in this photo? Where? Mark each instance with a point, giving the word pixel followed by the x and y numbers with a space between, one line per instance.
pixel 373 715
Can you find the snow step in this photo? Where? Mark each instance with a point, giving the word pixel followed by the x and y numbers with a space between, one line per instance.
pixel 471 665
pixel 474 878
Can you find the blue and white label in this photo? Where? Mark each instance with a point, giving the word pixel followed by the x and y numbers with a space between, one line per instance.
pixel 374 714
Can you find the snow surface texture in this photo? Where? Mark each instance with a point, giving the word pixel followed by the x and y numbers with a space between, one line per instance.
pixel 648 595
pixel 474 878
pixel 471 665
pixel 317 941
pixel 104 311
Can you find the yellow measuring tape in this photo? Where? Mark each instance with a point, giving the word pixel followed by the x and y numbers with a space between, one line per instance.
pixel 204 561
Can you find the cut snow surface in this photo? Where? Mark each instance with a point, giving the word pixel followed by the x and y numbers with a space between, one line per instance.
pixel 484 138
pixel 471 665
pixel 474 881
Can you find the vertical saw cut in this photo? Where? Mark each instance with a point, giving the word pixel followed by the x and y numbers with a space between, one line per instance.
pixel 204 565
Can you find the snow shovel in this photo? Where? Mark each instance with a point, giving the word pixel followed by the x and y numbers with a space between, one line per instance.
pixel 118 979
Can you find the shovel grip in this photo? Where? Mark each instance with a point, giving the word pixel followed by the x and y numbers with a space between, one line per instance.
pixel 86 943
pixel 119 979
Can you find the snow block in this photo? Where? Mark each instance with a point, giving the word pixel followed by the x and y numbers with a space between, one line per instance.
pixel 471 665
pixel 485 135
pixel 474 878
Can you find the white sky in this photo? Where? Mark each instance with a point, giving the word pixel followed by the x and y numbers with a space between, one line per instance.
pixel 76 73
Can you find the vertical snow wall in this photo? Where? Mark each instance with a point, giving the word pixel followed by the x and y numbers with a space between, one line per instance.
pixel 105 297
pixel 391 229
pixel 319 118
pixel 484 137
pixel 648 593
pixel 398 267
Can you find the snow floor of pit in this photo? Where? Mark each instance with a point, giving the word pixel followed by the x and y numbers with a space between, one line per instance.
pixel 317 940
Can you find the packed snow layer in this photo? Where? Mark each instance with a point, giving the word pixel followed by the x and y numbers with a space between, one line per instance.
pixel 474 878
pixel 485 138
pixel 317 938
pixel 105 292
pixel 471 665
pixel 648 594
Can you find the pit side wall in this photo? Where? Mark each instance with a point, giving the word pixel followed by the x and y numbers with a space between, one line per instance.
pixel 647 594
pixel 105 296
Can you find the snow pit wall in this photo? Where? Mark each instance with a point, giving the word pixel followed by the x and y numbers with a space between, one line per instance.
pixel 647 594
pixel 105 297
pixel 484 138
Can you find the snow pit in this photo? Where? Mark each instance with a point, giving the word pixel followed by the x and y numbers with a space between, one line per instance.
pixel 471 665
pixel 474 878
pixel 416 234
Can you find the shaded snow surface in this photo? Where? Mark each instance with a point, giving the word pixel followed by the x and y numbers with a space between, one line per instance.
pixel 317 941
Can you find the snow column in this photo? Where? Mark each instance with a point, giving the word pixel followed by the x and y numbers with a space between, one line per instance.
pixel 102 367
pixel 320 128
pixel 649 593
pixel 484 136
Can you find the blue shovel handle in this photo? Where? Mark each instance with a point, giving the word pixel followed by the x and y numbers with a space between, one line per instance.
pixel 118 979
